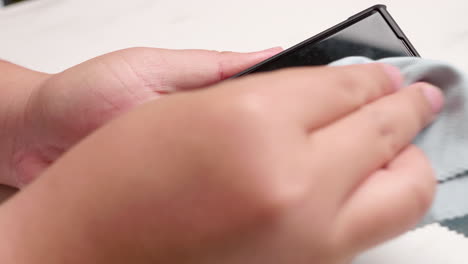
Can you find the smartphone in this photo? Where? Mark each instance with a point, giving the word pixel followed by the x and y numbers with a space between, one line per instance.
pixel 372 33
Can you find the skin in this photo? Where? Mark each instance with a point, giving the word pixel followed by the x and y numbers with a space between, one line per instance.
pixel 294 166
pixel 43 115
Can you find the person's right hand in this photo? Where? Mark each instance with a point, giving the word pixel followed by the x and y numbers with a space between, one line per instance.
pixel 308 165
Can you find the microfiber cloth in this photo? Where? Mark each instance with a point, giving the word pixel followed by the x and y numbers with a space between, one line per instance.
pixel 445 141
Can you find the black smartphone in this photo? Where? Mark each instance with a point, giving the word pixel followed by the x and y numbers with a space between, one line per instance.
pixel 372 33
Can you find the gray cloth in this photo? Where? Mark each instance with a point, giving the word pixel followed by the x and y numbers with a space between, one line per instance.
pixel 445 142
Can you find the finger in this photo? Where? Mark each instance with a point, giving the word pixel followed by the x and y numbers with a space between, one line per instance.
pixel 367 139
pixel 315 96
pixel 172 70
pixel 387 203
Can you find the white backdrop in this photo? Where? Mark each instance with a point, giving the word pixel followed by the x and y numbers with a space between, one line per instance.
pixel 51 35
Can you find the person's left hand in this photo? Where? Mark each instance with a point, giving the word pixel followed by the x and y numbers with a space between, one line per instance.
pixel 69 105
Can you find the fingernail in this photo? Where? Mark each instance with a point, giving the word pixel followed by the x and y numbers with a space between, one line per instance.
pixel 268 52
pixel 265 54
pixel 274 49
pixel 395 76
pixel 434 96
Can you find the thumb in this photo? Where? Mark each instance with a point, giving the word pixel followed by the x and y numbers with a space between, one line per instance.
pixel 173 70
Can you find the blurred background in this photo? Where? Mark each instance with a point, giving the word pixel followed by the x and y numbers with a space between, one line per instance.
pixel 51 35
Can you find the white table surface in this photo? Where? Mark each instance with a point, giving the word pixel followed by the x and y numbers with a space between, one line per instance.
pixel 51 35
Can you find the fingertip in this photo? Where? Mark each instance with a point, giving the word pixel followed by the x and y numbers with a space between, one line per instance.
pixel 433 95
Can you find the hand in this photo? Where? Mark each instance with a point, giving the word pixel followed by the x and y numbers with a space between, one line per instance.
pixel 308 165
pixel 66 107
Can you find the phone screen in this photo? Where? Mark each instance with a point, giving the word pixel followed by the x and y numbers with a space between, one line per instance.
pixel 371 37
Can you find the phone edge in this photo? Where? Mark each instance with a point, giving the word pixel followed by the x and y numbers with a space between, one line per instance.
pixel 382 9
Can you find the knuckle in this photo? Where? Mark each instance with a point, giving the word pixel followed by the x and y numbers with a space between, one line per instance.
pixel 222 64
pixel 256 191
pixel 244 121
pixel 259 185
pixel 249 109
pixel 249 158
pixel 270 197
pixel 385 130
pixel 362 84
pixel 351 87
pixel 396 125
